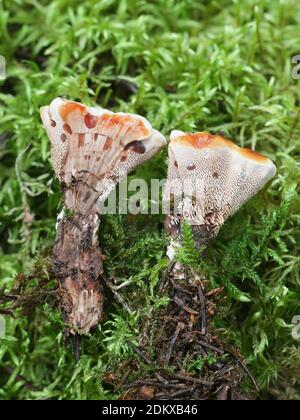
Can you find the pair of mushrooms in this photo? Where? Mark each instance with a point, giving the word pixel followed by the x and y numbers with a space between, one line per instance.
pixel 209 179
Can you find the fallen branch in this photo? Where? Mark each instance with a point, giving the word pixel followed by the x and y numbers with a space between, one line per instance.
pixel 179 327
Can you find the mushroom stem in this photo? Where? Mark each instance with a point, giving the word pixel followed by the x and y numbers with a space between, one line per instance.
pixel 78 267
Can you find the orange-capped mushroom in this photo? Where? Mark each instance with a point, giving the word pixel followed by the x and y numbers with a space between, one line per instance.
pixel 92 150
pixel 210 178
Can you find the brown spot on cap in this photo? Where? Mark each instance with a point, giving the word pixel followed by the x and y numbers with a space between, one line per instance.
pixel 53 123
pixel 81 140
pixel 67 128
pixel 90 120
pixel 197 140
pixel 191 167
pixel 134 126
pixel 215 175
pixel 176 164
pixel 108 144
pixel 136 146
pixel 63 137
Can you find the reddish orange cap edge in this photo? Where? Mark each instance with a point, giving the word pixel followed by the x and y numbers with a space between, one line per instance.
pixel 202 140
pixel 111 119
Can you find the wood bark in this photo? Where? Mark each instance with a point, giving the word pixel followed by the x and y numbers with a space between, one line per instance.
pixel 78 265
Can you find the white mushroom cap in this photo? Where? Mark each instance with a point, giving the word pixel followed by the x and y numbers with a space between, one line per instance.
pixel 211 177
pixel 96 143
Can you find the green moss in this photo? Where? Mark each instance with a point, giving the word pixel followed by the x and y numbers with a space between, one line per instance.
pixel 213 65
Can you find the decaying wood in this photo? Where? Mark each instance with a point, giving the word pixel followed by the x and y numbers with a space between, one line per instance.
pixel 183 336
pixel 78 266
pixel 180 339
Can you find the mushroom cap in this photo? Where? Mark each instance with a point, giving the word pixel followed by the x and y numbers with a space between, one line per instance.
pixel 74 127
pixel 211 177
pixel 98 144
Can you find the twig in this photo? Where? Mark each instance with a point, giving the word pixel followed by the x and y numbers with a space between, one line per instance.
pixel 181 289
pixel 203 311
pixel 117 295
pixel 179 327
pixel 210 347
pixel 242 364
pixel 181 304
pixel 139 352
pixel 182 392
pixel 77 347
pixel 215 291
pixel 165 277
pixel 203 352
pixel 8 297
pixel 192 379
pixel 138 384
pixel 249 374
pixel 123 284
pixel 161 378
pixel 125 376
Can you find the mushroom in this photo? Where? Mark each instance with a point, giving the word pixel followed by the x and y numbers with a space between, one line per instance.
pixel 92 149
pixel 209 179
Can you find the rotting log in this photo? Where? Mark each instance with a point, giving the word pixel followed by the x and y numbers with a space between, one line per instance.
pixel 78 265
